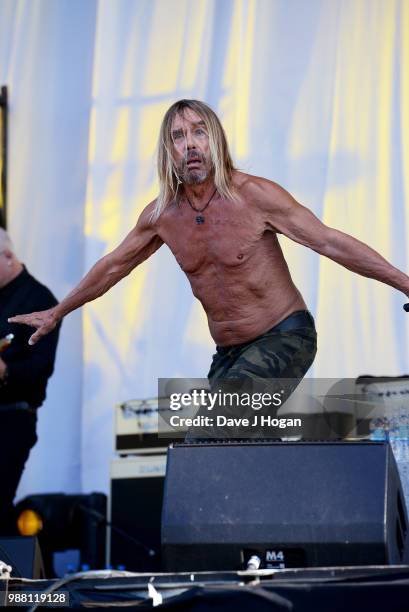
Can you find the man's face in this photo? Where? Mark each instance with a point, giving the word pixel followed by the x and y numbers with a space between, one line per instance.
pixel 191 147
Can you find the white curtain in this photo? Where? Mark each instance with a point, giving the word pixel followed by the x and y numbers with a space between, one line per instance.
pixel 313 95
pixel 46 60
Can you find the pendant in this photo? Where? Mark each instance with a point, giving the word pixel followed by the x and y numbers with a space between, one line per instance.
pixel 200 219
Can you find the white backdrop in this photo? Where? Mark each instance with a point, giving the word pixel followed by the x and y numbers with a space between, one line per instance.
pixel 314 95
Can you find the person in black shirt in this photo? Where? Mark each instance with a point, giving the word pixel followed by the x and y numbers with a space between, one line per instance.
pixel 24 372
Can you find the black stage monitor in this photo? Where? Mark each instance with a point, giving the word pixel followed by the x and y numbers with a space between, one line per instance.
pixel 301 504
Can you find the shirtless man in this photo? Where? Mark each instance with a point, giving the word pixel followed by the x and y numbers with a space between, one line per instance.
pixel 222 226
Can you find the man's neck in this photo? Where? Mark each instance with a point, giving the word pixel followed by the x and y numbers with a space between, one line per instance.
pixel 200 193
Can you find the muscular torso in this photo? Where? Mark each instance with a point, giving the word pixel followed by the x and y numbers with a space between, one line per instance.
pixel 235 267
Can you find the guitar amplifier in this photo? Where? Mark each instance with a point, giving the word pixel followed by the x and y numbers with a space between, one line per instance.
pixel 134 512
pixel 144 425
pixel 139 428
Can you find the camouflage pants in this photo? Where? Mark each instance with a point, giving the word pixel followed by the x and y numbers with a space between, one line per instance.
pixel 274 362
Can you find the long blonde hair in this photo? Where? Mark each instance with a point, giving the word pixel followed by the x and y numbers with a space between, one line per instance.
pixel 219 153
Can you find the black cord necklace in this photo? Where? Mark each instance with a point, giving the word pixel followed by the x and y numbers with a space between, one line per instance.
pixel 200 218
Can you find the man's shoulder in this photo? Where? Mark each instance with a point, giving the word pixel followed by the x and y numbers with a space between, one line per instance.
pixel 147 218
pixel 257 188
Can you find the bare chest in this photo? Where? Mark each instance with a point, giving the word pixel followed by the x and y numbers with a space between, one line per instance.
pixel 224 237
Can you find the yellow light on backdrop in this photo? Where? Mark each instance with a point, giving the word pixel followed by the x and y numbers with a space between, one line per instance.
pixel 120 145
pixel 356 51
pixel 237 78
pixel 362 206
pixel 196 45
pixel 163 63
pixel 246 12
pixel 150 119
pixel 404 114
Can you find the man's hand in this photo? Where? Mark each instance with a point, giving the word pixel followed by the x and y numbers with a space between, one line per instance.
pixel 43 321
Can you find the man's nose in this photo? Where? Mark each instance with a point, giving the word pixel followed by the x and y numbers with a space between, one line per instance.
pixel 190 143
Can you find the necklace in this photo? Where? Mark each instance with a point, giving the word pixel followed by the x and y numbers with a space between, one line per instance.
pixel 200 218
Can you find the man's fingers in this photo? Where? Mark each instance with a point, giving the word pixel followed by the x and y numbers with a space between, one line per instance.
pixel 18 319
pixel 33 319
pixel 29 319
pixel 34 338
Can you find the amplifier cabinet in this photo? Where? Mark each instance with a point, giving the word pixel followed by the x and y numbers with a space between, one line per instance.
pixel 134 511
pixel 142 427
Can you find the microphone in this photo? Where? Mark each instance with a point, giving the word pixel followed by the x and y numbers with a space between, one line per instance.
pixel 406 307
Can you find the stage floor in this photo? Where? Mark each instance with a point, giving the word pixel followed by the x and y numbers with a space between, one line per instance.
pixel 383 588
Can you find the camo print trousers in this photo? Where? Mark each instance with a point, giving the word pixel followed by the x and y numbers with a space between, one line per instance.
pixel 274 362
pixel 275 354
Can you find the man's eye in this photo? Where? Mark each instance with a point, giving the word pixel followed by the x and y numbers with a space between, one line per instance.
pixel 199 132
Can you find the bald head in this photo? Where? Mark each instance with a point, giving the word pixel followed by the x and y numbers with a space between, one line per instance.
pixel 10 267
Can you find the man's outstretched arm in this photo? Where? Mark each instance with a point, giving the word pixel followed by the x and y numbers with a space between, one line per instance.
pixel 290 218
pixel 138 245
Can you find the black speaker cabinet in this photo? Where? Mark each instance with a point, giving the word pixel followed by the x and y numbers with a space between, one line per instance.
pixel 24 556
pixel 135 507
pixel 301 504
